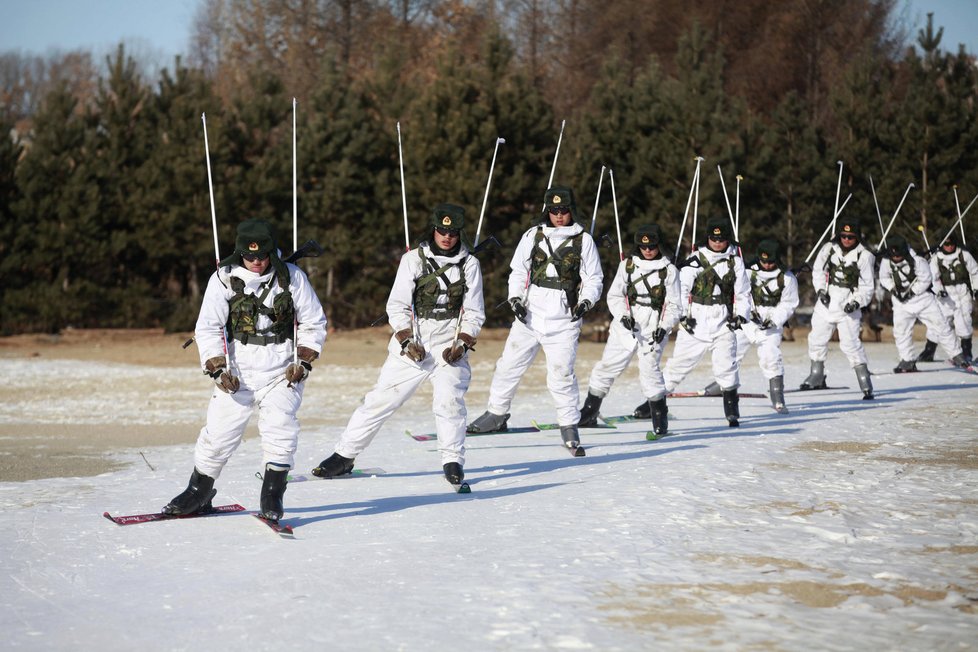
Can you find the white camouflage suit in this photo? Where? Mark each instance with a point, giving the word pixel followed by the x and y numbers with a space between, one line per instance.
pixel 622 342
pixel 400 377
pixel 957 274
pixel 549 324
pixel 768 340
pixel 826 319
pixel 260 369
pixel 710 332
pixel 913 274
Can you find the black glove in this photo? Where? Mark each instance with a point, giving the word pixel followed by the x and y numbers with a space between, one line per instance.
pixel 823 296
pixel 942 294
pixel 852 306
pixel 766 324
pixel 454 353
pixel 519 310
pixel 580 309
pixel 295 373
pixel 688 323
pixel 409 346
pixel 658 335
pixel 217 369
pixel 734 322
pixel 628 322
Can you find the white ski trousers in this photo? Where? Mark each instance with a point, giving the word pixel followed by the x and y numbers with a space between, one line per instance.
pixel 824 321
pixel 689 351
pixel 228 415
pixel 399 379
pixel 768 343
pixel 618 352
pixel 560 349
pixel 924 308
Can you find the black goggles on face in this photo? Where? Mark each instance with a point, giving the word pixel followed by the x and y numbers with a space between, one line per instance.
pixel 559 210
pixel 254 258
pixel 847 236
pixel 718 238
pixel 648 247
pixel 445 231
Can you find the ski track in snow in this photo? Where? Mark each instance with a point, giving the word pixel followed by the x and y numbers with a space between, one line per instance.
pixel 844 525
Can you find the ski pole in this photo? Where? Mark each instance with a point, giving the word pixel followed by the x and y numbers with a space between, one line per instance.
pixel 621 254
pixel 295 232
pixel 826 231
pixel 689 202
pixel 696 206
pixel 737 209
pixel 838 188
pixel 485 198
pixel 553 167
pixel 960 219
pixel 594 214
pixel 217 253
pixel 895 213
pixel 723 186
pixel 958 208
pixel 923 233
pixel 407 237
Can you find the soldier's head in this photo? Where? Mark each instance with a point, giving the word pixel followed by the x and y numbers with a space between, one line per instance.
pixel 447 222
pixel 897 248
pixel 255 244
pixel 561 208
pixel 848 236
pixel 647 239
pixel 717 234
pixel 950 244
pixel 769 254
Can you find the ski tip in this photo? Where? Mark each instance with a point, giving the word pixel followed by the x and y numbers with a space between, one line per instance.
pixel 578 451
pixel 463 488
pixel 651 436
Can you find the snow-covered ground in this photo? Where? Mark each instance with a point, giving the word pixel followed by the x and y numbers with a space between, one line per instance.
pixel 844 525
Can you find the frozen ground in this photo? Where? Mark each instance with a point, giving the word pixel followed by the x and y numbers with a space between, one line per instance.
pixel 844 525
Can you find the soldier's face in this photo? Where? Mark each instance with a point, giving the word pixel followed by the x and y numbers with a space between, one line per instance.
pixel 649 252
pixel 717 243
pixel 445 239
pixel 253 263
pixel 560 216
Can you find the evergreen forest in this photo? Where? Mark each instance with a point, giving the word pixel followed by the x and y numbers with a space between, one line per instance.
pixel 105 204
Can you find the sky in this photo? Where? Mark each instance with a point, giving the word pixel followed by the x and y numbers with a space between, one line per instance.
pixel 162 27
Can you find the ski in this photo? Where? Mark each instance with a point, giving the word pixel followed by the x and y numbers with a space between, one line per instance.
pixel 510 431
pixel 701 394
pixel 623 418
pixel 368 472
pixel 135 519
pixel 652 436
pixel 462 488
pixel 284 531
pixel 792 390
pixel 576 451
pixel 543 427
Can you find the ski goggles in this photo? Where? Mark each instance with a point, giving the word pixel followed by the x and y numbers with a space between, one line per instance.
pixel 559 210
pixel 648 247
pixel 254 258
pixel 718 238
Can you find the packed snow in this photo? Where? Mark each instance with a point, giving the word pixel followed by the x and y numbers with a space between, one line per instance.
pixel 844 525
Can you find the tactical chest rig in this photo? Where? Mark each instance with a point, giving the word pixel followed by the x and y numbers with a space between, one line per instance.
pixel 433 285
pixel 566 260
pixel 703 290
pixel 842 274
pixel 653 296
pixel 904 274
pixel 245 310
pixel 954 272
pixel 762 292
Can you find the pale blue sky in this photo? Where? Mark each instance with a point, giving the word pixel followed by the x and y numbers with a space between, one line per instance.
pixel 161 28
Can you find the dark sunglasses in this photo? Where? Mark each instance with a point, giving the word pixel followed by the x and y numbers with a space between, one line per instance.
pixel 847 236
pixel 648 247
pixel 559 210
pixel 441 230
pixel 718 238
pixel 254 258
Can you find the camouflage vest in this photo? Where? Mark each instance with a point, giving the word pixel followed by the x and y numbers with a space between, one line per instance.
pixel 843 274
pixel 902 280
pixel 428 289
pixel 762 293
pixel 954 273
pixel 707 281
pixel 566 260
pixel 653 296
pixel 244 310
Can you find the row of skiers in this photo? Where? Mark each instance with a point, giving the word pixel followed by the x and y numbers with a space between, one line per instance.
pixel 261 327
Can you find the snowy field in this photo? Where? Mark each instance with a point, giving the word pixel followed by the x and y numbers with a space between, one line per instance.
pixel 844 525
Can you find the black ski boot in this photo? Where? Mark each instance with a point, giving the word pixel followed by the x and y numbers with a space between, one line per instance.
pixel 927 355
pixel 589 412
pixel 865 382
pixel 816 378
pixel 489 422
pixel 776 390
pixel 572 440
pixel 333 466
pixel 196 498
pixel 906 367
pixel 966 348
pixel 453 473
pixel 660 416
pixel 643 411
pixel 960 361
pixel 731 407
pixel 272 490
pixel 713 389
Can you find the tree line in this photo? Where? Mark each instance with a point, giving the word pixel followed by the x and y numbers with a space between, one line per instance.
pixel 104 202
